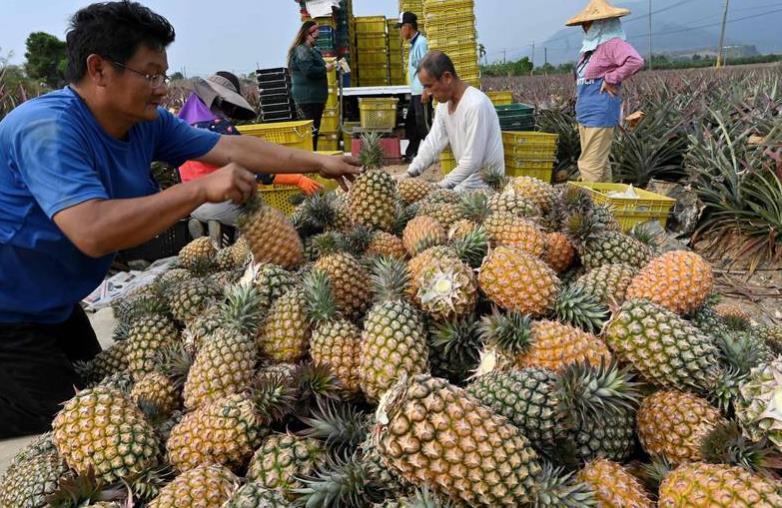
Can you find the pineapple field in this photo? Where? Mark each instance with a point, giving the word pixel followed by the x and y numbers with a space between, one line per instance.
pixel 405 345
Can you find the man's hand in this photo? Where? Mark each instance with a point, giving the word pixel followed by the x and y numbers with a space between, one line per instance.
pixel 231 182
pixel 612 90
pixel 342 169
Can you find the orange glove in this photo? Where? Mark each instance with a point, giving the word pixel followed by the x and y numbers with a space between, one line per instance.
pixel 307 185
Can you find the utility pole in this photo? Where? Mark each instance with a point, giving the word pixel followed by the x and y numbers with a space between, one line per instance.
pixel 651 55
pixel 532 70
pixel 722 34
pixel 545 55
pixel 503 56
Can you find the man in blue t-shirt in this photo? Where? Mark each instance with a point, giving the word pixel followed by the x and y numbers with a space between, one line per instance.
pixel 75 187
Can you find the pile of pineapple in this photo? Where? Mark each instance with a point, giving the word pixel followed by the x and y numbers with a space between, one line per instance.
pixel 405 345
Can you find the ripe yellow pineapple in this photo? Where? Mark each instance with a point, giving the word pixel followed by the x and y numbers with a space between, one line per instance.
pixel 146 340
pixel 614 487
pixel 285 333
pixel 240 251
pixel 516 280
pixel 700 485
pixel 537 191
pixel 373 197
pixel 512 203
pixel 461 228
pixel 412 190
pixel 156 390
pixel 103 431
pixel 678 280
pixel 505 228
pixel 28 483
pixel 560 252
pixel 191 297
pixel 435 435
pixel 417 263
pixel 197 254
pixel 270 235
pixel 207 486
pixel 349 282
pixel 673 424
pixel 386 244
pixel 421 233
pixel 447 289
pixel 282 459
pixel 446 214
pixel 608 283
pixel 393 341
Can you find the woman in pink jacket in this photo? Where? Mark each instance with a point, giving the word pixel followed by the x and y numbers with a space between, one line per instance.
pixel 605 61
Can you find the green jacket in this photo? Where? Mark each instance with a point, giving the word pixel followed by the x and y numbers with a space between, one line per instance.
pixel 309 84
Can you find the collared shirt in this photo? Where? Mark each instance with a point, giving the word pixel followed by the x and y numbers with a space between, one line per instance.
pixel 419 46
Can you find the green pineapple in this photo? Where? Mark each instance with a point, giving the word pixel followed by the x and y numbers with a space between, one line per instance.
pixel 146 339
pixel 373 197
pixel 189 298
pixel 282 459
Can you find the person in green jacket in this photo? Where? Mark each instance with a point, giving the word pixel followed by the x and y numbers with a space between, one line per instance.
pixel 308 76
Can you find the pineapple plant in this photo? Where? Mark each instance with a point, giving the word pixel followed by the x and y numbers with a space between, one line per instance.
pixel 208 486
pixel 146 340
pixel 447 289
pixel 282 459
pixel 678 280
pixel 717 485
pixel 608 283
pixel 386 245
pixel 100 430
pixel 412 190
pixel 373 196
pixel 254 495
pixel 421 233
pixel 198 254
pixel 393 340
pixel 688 360
pixel 559 252
pixel 29 483
pixel 349 283
pixel 270 235
pixel 613 485
pixel 504 228
pixel 516 280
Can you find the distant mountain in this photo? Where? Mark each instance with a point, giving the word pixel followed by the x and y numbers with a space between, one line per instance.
pixel 689 25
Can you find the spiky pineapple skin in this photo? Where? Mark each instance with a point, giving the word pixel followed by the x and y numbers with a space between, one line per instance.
pixel 609 436
pixel 285 335
pixel 372 200
pixel 254 495
pixel 534 190
pixel 271 237
pixel 349 282
pixel 272 281
pixel 515 280
pixel 337 344
pixel 428 431
pixel 197 252
pixel 757 409
pixel 556 346
pixel 514 204
pixel 505 228
pixel 421 233
pixel 412 190
pixel 157 390
pixel 700 485
pixel 282 458
pixel 608 283
pixel 560 252
pixel 678 280
pixel 146 340
pixel 614 247
pixel 447 289
pixel 102 430
pixel 614 487
pixel 386 244
pixel 28 483
pixel 207 486
pixel 189 298
pixel 110 360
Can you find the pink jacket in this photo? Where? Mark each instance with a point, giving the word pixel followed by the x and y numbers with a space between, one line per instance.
pixel 614 61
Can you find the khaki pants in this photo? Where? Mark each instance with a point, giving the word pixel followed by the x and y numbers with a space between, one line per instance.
pixel 595 149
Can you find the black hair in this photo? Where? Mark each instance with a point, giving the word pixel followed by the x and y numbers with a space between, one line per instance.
pixel 437 64
pixel 114 30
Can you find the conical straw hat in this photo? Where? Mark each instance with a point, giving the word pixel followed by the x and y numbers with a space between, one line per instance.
pixel 597 10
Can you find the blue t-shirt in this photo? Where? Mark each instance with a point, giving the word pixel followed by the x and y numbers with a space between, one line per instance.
pixel 54 155
pixel 593 107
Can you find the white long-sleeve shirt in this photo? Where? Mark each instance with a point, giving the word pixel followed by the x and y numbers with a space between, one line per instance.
pixel 473 131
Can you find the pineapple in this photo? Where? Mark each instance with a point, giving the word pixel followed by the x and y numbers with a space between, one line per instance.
pixel 109 361
pixel 559 253
pixel 435 435
pixel 373 197
pixel 285 334
pixel 637 334
pixel 393 341
pixel 760 406
pixel 156 390
pixel 272 281
pixel 577 308
pixel 614 487
pixel 190 298
pixel 349 282
pixel 254 495
pixel 418 262
pixel 103 431
pixel 29 483
pixel 674 424
pixel 700 485
pixel 198 254
pixel 462 228
pixel 536 191
pixel 342 220
pixel 335 342
pixel 507 202
pixel 240 252
pixel 515 341
pixel 734 314
pixel 608 283
pixel 447 289
pixel 282 459
pixel 146 339
pixel 504 228
pixel 412 190
pixel 442 196
pixel 678 280
pixel 446 214
pixel 600 246
pixel 207 486
pixel 421 233
pixel 516 280
pixel 168 280
pixel 455 347
pixel 270 235
pixel 386 244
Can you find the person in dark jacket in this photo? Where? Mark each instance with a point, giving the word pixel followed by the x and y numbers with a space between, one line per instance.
pixel 308 76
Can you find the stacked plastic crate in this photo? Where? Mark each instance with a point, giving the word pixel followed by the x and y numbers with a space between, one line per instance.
pixel 372 46
pixel 328 134
pixel 274 88
pixel 345 35
pixel 397 69
pixel 450 27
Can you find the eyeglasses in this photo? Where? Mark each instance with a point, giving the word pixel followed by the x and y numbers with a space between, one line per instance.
pixel 154 80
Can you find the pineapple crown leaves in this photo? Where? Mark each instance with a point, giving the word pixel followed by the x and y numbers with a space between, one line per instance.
pixel 84 489
pixel 174 362
pixel 589 392
pixel 511 332
pixel 424 498
pixel 315 382
pixel 494 178
pixel 726 444
pixel 741 352
pixel 274 397
pixel 653 473
pixel 341 426
pixel 457 343
pixel 316 212
pixel 323 244
pixel 555 488
pixel 357 239
pixel 321 305
pixel 371 154
pixel 472 247
pixel 475 206
pixel 242 308
pixel 342 481
pixel 575 307
pixel 404 215
pixel 390 278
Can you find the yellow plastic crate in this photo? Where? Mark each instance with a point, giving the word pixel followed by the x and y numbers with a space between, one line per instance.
pixel 378 113
pixel 370 24
pixel 438 6
pixel 372 41
pixel 331 77
pixel 347 134
pixel 372 57
pixel 630 212
pixel 329 122
pixel 500 98
pixel 542 170
pixel 295 134
pixel 447 161
pixel 279 196
pixel 328 142
pixel 332 101
pixel 530 145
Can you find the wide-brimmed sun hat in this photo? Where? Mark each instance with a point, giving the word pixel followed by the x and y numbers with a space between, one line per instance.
pixel 597 10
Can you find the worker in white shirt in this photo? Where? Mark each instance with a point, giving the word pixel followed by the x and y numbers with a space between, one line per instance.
pixel 465 119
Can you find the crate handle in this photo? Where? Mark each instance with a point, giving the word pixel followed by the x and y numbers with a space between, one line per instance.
pixel 301 132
